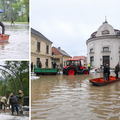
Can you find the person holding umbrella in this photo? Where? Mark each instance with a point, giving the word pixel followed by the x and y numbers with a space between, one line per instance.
pixel 1 24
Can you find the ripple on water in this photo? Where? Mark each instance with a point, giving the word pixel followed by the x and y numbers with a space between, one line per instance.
pixel 65 98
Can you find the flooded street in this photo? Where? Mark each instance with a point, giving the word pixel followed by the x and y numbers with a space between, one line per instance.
pixel 63 97
pixel 18 45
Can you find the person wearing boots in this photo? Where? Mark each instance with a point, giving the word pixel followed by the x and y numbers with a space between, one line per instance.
pixel 20 97
pixel 13 102
pixel 3 102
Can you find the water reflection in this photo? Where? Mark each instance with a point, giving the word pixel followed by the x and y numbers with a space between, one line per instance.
pixel 18 45
pixel 64 97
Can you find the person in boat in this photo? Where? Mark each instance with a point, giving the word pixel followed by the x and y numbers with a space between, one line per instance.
pixel 3 27
pixel 117 68
pixel 106 72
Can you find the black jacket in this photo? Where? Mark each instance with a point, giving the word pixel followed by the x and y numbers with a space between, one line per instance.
pixel 13 100
pixel 106 69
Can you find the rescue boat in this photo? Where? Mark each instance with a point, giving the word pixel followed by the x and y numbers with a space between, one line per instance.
pixel 4 37
pixel 100 82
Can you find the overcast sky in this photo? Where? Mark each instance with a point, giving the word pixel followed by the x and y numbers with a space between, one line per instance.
pixel 69 23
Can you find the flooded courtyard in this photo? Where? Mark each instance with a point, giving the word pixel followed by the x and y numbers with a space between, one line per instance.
pixel 18 45
pixel 63 97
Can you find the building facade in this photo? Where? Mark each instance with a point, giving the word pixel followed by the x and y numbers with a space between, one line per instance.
pixel 40 49
pixel 83 59
pixel 103 46
pixel 59 56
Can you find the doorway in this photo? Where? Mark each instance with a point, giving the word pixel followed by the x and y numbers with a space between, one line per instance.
pixel 106 60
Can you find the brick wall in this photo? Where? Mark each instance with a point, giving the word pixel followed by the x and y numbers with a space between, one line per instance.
pixel 56 52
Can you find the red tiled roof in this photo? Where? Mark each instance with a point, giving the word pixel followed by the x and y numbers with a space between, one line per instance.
pixel 79 57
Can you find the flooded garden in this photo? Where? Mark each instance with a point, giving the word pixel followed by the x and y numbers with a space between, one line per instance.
pixel 18 45
pixel 63 97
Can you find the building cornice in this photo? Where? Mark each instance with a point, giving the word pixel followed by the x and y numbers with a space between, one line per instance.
pixel 103 37
pixel 37 54
pixel 39 39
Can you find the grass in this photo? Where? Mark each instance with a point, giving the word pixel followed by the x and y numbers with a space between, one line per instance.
pixel 15 22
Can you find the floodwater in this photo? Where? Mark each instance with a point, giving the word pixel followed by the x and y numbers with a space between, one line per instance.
pixel 63 97
pixel 18 45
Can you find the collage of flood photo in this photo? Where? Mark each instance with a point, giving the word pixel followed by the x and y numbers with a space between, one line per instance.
pixel 59 60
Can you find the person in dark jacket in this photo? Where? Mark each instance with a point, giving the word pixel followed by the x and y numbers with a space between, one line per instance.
pixel 13 102
pixel 106 72
pixel 117 70
pixel 40 64
pixel 54 64
pixel 3 27
pixel 31 66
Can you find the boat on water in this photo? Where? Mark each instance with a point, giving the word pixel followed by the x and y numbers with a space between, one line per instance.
pixel 4 37
pixel 100 82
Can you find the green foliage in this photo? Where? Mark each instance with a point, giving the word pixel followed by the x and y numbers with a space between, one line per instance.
pixel 21 69
pixel 16 9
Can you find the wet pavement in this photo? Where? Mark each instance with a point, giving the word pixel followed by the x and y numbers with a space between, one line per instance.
pixel 18 45
pixel 63 97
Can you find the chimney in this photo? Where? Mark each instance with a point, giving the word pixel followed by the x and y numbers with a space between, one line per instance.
pixel 59 48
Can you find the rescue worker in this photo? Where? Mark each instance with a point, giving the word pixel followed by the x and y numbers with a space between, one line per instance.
pixel 89 66
pixel 20 97
pixel 3 27
pixel 3 102
pixel 14 103
pixel 117 70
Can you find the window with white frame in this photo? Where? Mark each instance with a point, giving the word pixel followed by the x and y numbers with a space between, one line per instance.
pixel 38 46
pixel 105 49
pixel 92 61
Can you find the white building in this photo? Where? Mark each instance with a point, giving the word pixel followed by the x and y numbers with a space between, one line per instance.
pixel 103 46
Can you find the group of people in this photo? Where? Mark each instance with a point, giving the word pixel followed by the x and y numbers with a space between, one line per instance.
pixel 106 71
pixel 39 65
pixel 14 101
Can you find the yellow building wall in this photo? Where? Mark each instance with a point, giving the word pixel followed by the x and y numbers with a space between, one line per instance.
pixel 42 53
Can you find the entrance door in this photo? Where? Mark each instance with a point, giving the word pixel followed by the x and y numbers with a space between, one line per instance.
pixel 106 59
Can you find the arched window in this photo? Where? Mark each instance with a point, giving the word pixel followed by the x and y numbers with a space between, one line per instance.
pixel 105 32
pixel 91 50
pixel 105 49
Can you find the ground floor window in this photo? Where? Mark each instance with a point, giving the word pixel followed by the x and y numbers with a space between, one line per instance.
pixel 37 62
pixel 92 61
pixel 46 62
pixel 106 60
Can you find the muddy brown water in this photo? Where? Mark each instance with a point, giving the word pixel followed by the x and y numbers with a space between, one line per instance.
pixel 62 97
pixel 18 45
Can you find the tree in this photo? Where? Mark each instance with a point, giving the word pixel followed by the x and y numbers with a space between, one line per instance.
pixel 21 68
